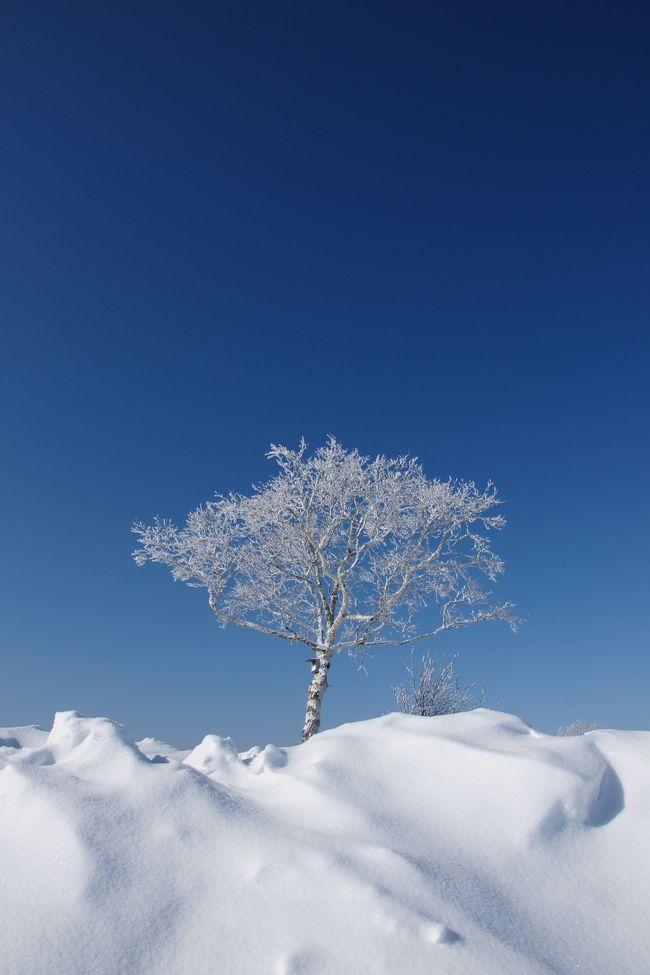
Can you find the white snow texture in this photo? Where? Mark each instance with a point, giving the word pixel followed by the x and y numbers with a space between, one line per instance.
pixel 468 844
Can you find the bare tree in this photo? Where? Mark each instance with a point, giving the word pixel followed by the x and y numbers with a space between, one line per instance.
pixel 338 552
pixel 434 689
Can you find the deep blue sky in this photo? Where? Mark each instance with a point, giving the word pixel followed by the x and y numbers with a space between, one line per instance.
pixel 422 228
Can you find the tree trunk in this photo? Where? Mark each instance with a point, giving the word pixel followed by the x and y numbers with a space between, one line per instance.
pixel 315 694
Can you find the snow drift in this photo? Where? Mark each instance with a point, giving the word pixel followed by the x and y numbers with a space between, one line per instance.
pixel 466 844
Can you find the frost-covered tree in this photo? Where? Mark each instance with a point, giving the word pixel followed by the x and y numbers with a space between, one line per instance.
pixel 434 689
pixel 339 552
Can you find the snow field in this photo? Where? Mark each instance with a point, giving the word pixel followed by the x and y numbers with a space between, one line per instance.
pixel 468 845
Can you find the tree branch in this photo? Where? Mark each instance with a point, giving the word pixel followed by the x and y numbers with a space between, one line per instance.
pixel 259 627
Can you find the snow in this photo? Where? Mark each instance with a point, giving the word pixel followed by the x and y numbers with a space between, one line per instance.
pixel 464 844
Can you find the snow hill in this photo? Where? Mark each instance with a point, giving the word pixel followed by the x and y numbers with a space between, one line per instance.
pixel 469 844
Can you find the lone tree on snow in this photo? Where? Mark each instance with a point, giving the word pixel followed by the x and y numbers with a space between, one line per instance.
pixel 338 552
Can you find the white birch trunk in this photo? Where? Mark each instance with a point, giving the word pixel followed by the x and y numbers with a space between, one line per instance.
pixel 315 694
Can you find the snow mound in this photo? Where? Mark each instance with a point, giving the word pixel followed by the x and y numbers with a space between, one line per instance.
pixel 464 845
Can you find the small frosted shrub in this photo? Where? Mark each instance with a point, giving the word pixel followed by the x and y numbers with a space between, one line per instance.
pixel 578 728
pixel 434 689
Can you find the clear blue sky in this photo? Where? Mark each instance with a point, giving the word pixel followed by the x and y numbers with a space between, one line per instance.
pixel 422 228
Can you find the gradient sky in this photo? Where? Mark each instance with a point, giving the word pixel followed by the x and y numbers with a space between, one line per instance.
pixel 421 228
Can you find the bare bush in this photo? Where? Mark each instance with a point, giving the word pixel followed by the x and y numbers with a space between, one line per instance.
pixel 434 689
pixel 578 728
